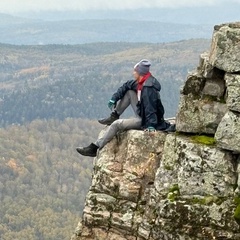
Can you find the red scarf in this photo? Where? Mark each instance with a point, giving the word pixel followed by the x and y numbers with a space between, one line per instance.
pixel 141 82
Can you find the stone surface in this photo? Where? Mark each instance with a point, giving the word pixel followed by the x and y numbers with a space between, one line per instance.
pixel 233 93
pixel 228 132
pixel 225 47
pixel 199 115
pixel 214 88
pixel 194 84
pixel 182 187
pixel 196 169
pixel 205 68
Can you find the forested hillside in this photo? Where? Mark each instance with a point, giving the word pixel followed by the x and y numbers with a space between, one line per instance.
pixel 60 81
pixel 43 180
pixel 50 98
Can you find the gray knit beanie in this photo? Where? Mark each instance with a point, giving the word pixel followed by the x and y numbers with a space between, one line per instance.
pixel 142 67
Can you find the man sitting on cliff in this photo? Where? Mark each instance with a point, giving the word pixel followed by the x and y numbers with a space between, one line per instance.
pixel 143 93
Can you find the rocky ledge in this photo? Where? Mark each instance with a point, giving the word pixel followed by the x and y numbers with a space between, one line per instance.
pixel 182 185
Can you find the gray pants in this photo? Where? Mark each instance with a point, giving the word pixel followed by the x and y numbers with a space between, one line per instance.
pixel 122 124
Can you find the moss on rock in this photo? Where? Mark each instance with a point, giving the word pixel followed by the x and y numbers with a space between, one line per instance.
pixel 237 210
pixel 173 192
pixel 203 139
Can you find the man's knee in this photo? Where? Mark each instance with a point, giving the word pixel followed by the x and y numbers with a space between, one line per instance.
pixel 127 124
pixel 117 124
pixel 131 93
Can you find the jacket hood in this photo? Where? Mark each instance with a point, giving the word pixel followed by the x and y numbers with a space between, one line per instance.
pixel 152 82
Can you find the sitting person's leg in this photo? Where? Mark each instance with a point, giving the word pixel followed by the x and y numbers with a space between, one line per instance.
pixel 118 126
pixel 113 129
pixel 129 98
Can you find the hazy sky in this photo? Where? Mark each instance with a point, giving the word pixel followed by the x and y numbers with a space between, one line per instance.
pixel 14 6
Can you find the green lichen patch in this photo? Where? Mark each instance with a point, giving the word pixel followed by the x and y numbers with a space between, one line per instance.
pixel 174 188
pixel 208 98
pixel 173 193
pixel 237 200
pixel 237 210
pixel 168 167
pixel 207 200
pixel 237 214
pixel 203 139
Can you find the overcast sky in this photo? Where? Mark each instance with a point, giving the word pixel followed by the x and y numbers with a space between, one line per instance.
pixel 14 6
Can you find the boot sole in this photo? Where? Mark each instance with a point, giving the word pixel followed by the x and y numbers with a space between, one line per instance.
pixel 108 124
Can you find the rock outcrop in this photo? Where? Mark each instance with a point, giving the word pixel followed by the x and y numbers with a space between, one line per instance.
pixel 182 185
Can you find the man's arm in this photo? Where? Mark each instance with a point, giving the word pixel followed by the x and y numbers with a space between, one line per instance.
pixel 129 85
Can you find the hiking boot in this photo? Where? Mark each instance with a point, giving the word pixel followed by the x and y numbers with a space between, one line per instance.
pixel 90 151
pixel 109 120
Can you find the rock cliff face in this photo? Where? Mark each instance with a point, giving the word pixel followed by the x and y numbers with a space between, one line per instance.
pixel 182 185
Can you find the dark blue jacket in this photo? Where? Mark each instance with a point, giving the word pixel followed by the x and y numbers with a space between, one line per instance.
pixel 150 107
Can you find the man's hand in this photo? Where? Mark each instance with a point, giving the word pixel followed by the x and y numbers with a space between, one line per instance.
pixel 150 129
pixel 111 104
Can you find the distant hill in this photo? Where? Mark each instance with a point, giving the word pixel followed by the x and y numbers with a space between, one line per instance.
pixel 19 31
pixel 61 81
pixel 210 14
